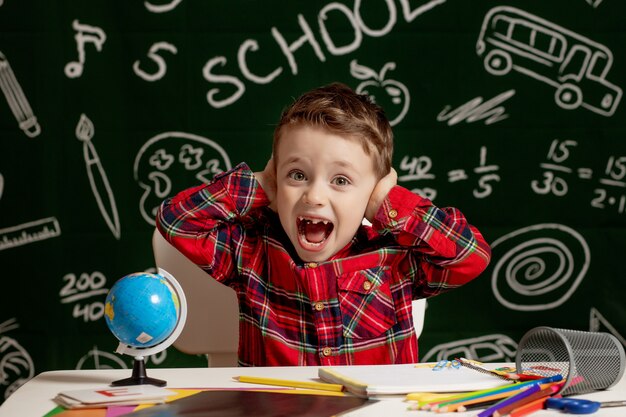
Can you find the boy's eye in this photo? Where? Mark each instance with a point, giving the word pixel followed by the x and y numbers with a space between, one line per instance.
pixel 341 181
pixel 297 175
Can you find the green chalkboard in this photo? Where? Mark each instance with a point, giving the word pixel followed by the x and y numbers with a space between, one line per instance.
pixel 511 111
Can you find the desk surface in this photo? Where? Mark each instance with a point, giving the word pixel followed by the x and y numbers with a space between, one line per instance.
pixel 35 397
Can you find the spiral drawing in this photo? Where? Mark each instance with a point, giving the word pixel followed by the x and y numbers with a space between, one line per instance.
pixel 538 267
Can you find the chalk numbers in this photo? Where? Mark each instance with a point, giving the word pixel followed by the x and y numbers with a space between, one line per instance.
pixel 553 181
pixel 615 173
pixel 85 292
pixel 611 192
pixel 418 168
pixel 616 168
pixel 550 184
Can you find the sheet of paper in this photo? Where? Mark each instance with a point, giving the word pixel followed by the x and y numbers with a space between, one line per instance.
pixel 406 378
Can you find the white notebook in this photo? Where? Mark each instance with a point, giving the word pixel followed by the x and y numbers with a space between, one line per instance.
pixel 105 396
pixel 372 380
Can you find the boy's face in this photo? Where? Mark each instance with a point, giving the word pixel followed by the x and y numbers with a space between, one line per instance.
pixel 324 182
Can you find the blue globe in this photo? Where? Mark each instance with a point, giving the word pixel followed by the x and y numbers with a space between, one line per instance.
pixel 142 310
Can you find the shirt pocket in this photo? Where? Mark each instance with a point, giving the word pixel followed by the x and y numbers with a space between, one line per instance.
pixel 366 303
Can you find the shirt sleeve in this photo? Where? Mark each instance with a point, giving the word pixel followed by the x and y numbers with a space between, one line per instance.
pixel 206 223
pixel 446 251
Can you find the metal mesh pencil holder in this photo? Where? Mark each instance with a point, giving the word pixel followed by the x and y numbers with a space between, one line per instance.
pixel 588 361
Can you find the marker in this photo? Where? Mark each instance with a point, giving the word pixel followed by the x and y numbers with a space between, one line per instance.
pixel 288 383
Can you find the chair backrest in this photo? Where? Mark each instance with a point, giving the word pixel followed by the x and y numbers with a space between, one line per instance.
pixel 419 311
pixel 212 326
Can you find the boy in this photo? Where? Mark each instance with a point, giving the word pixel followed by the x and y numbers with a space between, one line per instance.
pixel 315 286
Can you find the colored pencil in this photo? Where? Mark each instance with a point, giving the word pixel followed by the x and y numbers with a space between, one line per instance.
pixel 491 391
pixel 510 400
pixel 426 396
pixel 477 406
pixel 544 393
pixel 477 366
pixel 529 408
pixel 288 383
pixel 459 406
pixel 487 399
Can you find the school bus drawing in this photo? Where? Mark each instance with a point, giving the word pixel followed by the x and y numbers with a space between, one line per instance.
pixel 512 39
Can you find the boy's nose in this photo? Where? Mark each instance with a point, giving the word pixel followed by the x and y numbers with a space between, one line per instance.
pixel 315 195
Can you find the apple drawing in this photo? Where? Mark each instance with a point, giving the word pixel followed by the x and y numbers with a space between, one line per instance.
pixel 391 95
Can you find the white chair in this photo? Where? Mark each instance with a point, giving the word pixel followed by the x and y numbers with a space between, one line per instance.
pixel 419 312
pixel 212 326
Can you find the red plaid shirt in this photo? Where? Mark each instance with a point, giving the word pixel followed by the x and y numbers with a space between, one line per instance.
pixel 354 308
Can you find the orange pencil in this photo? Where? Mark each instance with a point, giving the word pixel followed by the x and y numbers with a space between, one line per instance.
pixel 543 394
pixel 529 408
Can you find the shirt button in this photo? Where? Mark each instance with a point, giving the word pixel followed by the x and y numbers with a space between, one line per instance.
pixel 312 264
pixel 327 351
pixel 367 285
pixel 393 213
pixel 319 306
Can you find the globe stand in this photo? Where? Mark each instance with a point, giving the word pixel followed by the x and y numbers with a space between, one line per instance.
pixel 139 376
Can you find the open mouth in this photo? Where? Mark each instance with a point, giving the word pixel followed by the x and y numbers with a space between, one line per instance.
pixel 314 232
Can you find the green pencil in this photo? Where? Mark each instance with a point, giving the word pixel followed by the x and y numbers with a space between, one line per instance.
pixel 475 394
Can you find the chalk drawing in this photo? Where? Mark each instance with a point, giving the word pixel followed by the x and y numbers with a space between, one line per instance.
pixel 157 358
pixel 228 86
pixel 158 60
pixel 185 157
pixel 489 348
pixel 161 8
pixel 538 267
pixel 391 95
pixel 98 179
pixel 30 232
pixel 597 321
pixel 475 110
pixel 97 359
pixel 84 34
pixel 18 103
pixel 576 66
pixel 16 365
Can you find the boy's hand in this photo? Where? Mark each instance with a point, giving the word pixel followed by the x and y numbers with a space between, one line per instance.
pixel 379 194
pixel 267 179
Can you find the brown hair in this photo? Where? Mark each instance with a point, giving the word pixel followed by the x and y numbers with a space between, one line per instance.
pixel 338 109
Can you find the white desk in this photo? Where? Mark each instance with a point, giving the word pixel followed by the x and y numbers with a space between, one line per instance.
pixel 35 397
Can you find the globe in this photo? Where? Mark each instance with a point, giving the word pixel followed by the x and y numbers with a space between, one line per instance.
pixel 146 313
pixel 142 309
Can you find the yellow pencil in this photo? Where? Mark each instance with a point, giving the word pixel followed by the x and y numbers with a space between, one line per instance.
pixel 289 383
